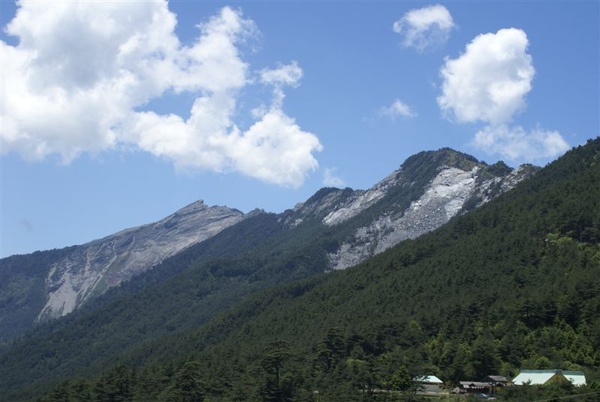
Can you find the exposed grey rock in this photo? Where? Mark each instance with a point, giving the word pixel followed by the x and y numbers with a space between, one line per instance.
pixel 96 266
pixel 444 197
pixel 360 201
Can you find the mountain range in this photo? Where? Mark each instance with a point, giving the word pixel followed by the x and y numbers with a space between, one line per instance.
pixel 424 193
pixel 447 266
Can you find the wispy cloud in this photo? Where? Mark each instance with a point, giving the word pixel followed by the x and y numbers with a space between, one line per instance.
pixel 515 143
pixel 27 225
pixel 425 28
pixel 289 74
pixel 488 83
pixel 330 179
pixel 82 74
pixel 397 109
pixel 284 75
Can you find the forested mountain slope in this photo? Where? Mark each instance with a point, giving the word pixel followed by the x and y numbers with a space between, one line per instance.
pixel 46 285
pixel 23 289
pixel 515 283
pixel 334 229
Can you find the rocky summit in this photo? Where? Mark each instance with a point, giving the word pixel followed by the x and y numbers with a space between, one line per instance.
pixel 94 267
pixel 427 191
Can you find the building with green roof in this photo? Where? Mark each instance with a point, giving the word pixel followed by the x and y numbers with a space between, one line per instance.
pixel 541 377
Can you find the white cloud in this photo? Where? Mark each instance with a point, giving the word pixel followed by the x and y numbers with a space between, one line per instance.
pixel 515 143
pixel 490 80
pixel 397 109
pixel 78 70
pixel 425 28
pixel 275 149
pixel 330 179
pixel 289 74
pixel 82 72
pixel 488 83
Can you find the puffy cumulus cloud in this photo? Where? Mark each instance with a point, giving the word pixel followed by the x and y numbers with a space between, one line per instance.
pixel 78 70
pixel 397 109
pixel 425 28
pixel 515 143
pixel 82 72
pixel 275 149
pixel 489 81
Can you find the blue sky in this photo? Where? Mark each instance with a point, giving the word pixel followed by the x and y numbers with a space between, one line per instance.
pixel 116 114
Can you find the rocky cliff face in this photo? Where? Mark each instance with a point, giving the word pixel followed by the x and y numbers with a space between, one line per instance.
pixel 444 197
pixel 94 267
pixel 426 192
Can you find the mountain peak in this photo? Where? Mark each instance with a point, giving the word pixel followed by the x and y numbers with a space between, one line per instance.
pixel 196 205
pixel 426 162
pixel 96 266
pixel 428 190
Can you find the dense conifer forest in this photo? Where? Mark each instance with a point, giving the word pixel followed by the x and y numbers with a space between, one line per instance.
pixel 513 284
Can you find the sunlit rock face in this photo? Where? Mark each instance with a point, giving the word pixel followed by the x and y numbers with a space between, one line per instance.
pixel 96 266
pixel 452 191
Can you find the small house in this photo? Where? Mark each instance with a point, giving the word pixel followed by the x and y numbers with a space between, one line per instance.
pixel 474 387
pixel 428 384
pixel 496 380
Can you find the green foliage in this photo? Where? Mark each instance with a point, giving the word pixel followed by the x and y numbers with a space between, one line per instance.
pixel 116 385
pixel 514 284
pixel 402 380
pixel 23 289
pixel 187 384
